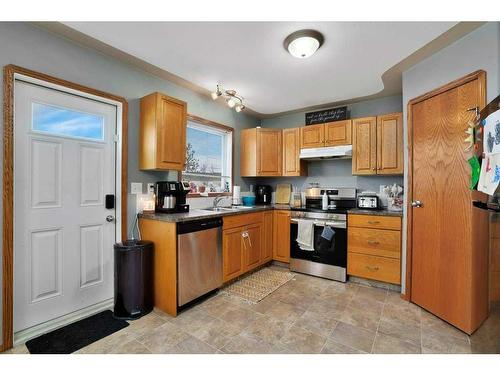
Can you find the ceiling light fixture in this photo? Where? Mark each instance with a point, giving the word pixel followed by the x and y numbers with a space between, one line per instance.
pixel 303 43
pixel 233 100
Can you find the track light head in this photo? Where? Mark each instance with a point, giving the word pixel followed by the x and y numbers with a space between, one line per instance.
pixel 215 94
pixel 231 102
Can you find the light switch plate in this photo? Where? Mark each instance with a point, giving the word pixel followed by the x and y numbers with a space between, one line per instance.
pixel 136 188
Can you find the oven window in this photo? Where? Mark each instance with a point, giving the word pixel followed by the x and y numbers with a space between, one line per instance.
pixel 332 252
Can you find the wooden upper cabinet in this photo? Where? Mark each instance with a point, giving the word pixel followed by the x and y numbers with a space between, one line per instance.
pixel 292 165
pixel 377 145
pixel 364 146
pixel 269 152
pixel 312 136
pixel 162 142
pixel 390 144
pixel 261 152
pixel 338 133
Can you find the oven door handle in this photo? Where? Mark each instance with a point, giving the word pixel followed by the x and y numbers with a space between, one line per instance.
pixel 333 224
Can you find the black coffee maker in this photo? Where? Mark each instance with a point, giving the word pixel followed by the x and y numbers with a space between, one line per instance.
pixel 171 196
pixel 263 194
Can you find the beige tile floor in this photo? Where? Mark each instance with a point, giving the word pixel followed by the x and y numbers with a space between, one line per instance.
pixel 306 315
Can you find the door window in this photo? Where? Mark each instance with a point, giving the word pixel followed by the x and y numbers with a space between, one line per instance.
pixel 66 122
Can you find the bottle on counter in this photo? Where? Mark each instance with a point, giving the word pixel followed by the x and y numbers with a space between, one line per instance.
pixel 324 201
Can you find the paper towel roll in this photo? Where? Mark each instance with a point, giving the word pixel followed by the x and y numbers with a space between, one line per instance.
pixel 236 195
pixel 236 191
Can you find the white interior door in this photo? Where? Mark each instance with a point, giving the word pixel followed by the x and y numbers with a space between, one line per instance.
pixel 64 165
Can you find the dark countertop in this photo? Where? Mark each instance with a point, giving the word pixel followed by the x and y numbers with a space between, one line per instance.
pixel 197 214
pixel 359 211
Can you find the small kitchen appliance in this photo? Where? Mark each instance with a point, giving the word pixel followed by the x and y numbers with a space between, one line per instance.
pixel 369 201
pixel 263 194
pixel 171 196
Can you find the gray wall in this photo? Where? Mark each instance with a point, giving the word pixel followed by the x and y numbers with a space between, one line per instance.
pixel 336 173
pixel 478 50
pixel 32 48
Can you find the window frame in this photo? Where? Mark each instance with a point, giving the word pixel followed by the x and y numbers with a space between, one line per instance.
pixel 217 126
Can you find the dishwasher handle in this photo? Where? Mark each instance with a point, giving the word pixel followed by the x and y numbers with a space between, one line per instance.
pixel 198 225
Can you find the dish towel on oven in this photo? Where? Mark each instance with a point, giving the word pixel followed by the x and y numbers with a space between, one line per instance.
pixel 305 234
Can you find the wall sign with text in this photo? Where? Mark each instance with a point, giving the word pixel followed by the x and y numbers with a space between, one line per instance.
pixel 326 115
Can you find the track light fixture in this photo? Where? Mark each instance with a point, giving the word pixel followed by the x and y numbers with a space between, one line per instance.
pixel 233 100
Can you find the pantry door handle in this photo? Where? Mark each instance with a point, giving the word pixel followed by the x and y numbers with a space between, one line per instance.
pixel 416 204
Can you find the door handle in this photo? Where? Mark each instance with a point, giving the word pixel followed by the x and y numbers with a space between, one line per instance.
pixel 373 242
pixel 110 218
pixel 416 204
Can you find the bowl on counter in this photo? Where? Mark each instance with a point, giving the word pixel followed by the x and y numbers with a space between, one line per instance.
pixel 248 201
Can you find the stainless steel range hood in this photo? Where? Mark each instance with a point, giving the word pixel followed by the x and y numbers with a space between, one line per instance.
pixel 335 152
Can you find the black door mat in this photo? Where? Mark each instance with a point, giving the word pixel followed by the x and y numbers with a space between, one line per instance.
pixel 77 335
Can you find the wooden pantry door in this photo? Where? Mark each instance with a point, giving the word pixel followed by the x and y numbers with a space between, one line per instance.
pixel 443 244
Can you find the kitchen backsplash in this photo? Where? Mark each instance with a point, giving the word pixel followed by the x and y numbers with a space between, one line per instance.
pixel 331 173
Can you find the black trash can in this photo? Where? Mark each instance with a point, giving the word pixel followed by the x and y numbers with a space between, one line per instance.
pixel 133 279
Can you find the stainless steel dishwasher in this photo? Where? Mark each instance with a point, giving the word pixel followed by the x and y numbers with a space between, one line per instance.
pixel 199 258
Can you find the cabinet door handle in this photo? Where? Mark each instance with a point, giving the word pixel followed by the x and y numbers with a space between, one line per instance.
pixel 244 235
pixel 373 242
pixel 374 222
pixel 372 268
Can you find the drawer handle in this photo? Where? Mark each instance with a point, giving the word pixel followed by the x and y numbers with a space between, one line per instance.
pixel 372 268
pixel 373 243
pixel 373 222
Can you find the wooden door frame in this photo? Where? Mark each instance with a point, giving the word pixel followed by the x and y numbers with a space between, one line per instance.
pixel 480 76
pixel 9 72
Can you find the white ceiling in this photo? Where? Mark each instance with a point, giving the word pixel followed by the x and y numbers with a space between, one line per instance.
pixel 249 56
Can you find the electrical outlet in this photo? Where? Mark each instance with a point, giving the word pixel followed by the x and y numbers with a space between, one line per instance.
pixel 151 187
pixel 136 188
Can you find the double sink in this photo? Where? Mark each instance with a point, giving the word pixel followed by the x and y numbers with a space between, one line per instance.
pixel 227 209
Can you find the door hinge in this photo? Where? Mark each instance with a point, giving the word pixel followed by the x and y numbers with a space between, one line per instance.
pixel 116 138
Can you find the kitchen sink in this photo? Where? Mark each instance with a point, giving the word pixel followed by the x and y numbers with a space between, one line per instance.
pixel 227 209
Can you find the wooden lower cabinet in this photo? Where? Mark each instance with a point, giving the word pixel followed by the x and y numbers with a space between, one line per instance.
pixel 252 239
pixel 243 244
pixel 374 267
pixel 232 254
pixel 266 254
pixel 281 236
pixel 164 236
pixel 374 247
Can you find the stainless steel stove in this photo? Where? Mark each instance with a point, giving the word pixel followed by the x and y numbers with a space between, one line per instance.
pixel 328 259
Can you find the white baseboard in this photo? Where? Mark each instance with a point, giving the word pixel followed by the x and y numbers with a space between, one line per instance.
pixel 27 334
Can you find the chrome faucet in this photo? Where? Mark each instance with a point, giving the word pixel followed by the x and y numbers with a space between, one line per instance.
pixel 217 200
